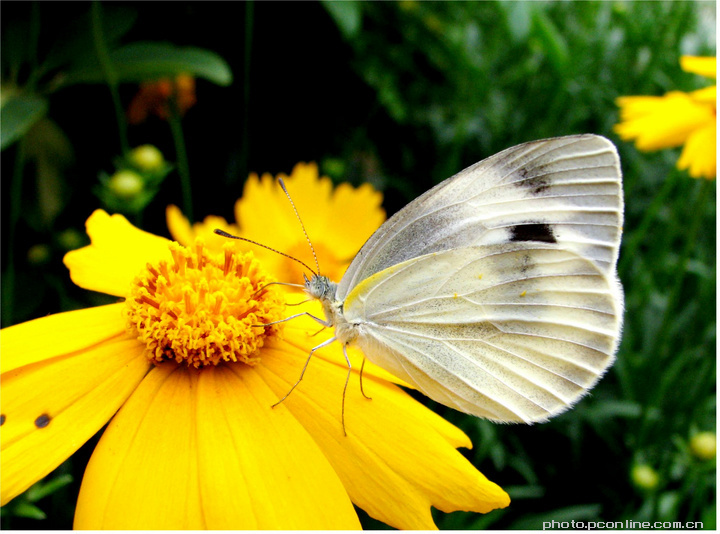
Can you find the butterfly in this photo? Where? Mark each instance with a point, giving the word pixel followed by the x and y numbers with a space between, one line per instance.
pixel 495 292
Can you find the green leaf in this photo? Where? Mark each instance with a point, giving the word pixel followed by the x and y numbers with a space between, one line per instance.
pixel 143 61
pixel 25 509
pixel 554 44
pixel 709 517
pixel 41 490
pixel 51 152
pixel 347 15
pixel 519 17
pixel 17 115
pixel 612 409
pixel 525 492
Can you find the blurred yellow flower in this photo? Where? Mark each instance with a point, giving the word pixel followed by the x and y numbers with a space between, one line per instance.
pixel 187 383
pixel 676 119
pixel 338 222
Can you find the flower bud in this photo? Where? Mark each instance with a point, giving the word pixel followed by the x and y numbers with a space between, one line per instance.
pixel 38 254
pixel 71 239
pixel 126 184
pixel 147 158
pixel 644 477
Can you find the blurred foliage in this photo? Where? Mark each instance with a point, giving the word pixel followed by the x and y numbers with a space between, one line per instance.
pixel 401 95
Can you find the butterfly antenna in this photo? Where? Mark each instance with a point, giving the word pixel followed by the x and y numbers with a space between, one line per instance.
pixel 225 234
pixel 312 249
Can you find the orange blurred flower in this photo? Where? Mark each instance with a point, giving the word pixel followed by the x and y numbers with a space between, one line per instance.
pixel 154 97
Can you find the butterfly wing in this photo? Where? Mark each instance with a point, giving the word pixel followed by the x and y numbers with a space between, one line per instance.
pixel 564 190
pixel 510 332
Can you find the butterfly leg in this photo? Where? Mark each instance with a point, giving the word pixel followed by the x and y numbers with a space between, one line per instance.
pixel 302 373
pixel 362 367
pixel 347 380
pixel 319 331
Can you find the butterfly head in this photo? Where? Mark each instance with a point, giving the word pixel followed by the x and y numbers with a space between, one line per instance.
pixel 320 287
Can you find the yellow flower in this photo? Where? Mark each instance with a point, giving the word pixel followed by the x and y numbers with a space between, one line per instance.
pixel 187 383
pixel 675 119
pixel 338 221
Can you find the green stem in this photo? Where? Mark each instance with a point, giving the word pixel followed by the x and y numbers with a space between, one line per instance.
pixel 110 75
pixel 8 279
pixel 182 159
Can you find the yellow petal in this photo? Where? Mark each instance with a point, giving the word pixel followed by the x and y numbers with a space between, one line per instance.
pixel 706 95
pixel 289 482
pixel 264 214
pixel 51 408
pixel 184 234
pixel 398 458
pixel 179 226
pixel 660 122
pixel 143 472
pixel 203 449
pixel 117 253
pixel 699 154
pixel 311 195
pixel 338 221
pixel 264 210
pixel 58 334
pixel 704 66
pixel 353 216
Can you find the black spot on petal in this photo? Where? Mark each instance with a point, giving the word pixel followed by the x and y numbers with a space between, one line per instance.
pixel 532 232
pixel 42 421
pixel 2 419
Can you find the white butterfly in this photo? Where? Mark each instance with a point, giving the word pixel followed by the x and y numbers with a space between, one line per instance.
pixel 495 292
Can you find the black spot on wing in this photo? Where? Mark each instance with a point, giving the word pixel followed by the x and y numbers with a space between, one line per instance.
pixel 532 232
pixel 536 184
pixel 525 264
pixel 2 419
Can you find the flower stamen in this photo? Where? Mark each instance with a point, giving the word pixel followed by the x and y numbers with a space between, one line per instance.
pixel 203 309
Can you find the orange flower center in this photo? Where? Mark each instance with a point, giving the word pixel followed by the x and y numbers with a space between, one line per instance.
pixel 203 309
